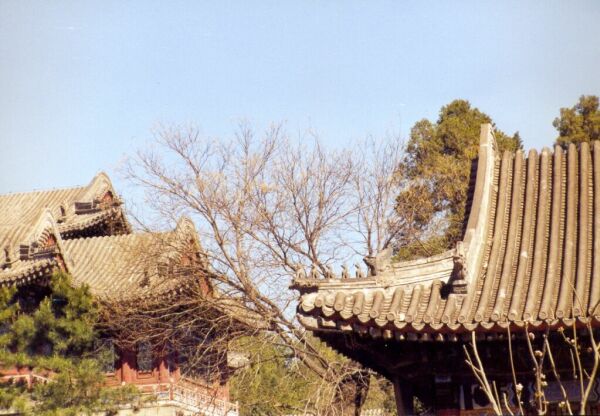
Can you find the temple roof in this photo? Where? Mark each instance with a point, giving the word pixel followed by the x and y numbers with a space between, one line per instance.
pixel 75 209
pixel 44 231
pixel 132 265
pixel 37 238
pixel 530 255
pixel 116 266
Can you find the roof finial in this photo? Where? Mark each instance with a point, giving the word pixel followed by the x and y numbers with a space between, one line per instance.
pixel 458 278
pixel 380 262
pixel 329 274
pixel 359 273
pixel 314 272
pixel 345 272
pixel 300 272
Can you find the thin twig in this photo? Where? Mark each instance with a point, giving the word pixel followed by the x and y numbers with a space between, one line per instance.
pixel 518 391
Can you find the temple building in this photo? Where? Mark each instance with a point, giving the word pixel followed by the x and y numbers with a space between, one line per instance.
pixel 526 269
pixel 84 231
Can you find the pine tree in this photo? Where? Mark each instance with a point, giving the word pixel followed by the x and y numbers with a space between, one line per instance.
pixel 580 123
pixel 435 173
pixel 52 331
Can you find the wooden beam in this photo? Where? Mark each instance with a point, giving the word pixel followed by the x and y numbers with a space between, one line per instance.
pixel 404 397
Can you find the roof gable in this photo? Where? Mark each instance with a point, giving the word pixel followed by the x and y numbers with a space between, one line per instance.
pixel 31 251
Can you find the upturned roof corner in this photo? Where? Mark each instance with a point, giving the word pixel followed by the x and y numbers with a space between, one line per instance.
pixel 478 223
pixel 530 256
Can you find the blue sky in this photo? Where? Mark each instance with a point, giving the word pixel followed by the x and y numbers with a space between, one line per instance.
pixel 82 83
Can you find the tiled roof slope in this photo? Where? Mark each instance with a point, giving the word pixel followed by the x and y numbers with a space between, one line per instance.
pixel 19 211
pixel 116 267
pixel 28 219
pixel 131 265
pixel 531 254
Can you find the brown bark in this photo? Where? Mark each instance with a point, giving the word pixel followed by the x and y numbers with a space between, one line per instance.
pixel 351 393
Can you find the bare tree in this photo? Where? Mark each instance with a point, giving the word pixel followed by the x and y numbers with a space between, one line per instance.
pixel 579 362
pixel 264 207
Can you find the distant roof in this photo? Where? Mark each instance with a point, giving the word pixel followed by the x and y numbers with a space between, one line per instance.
pixel 84 232
pixel 132 265
pixel 530 255
pixel 76 209
pixel 70 229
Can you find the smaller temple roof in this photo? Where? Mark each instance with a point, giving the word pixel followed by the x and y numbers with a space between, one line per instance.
pixel 530 256
pixel 71 230
pixel 44 231
pixel 75 209
pixel 116 266
pixel 133 265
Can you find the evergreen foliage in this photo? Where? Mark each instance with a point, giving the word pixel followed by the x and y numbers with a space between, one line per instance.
pixel 580 123
pixel 271 384
pixel 435 174
pixel 277 383
pixel 52 332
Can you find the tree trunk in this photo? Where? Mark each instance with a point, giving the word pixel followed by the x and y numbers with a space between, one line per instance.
pixel 351 393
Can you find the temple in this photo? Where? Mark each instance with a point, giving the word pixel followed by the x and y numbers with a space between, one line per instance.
pixel 84 231
pixel 527 267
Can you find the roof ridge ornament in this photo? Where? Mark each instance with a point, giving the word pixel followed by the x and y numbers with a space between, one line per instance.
pixel 345 271
pixel 380 262
pixel 300 272
pixel 326 273
pixel 459 278
pixel 329 273
pixel 314 272
pixel 7 259
pixel 359 273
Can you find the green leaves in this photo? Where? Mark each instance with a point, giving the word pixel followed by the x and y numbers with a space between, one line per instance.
pixel 580 123
pixel 277 382
pixel 56 339
pixel 436 172
pixel 274 383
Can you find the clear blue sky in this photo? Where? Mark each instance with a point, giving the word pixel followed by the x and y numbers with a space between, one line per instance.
pixel 82 83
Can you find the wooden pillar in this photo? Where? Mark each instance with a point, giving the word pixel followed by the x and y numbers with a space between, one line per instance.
pixel 404 397
pixel 174 370
pixel 128 366
pixel 163 369
pixel 160 363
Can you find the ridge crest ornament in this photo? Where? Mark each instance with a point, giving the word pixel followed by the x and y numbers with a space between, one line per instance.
pixel 458 279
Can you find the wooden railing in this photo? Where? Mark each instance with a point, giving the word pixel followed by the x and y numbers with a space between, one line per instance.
pixel 27 377
pixel 185 393
pixel 192 397
pixel 205 403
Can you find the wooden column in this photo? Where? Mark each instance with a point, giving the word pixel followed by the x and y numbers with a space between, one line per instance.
pixel 175 372
pixel 163 369
pixel 160 363
pixel 128 366
pixel 403 393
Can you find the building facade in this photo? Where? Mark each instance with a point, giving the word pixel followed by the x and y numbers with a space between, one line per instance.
pixel 84 231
